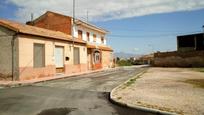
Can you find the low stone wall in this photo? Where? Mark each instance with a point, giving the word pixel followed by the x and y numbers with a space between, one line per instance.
pixel 179 59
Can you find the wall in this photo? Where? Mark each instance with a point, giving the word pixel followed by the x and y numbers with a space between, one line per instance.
pixel 107 58
pixel 179 59
pixel 84 30
pixel 55 22
pixel 6 37
pixel 26 57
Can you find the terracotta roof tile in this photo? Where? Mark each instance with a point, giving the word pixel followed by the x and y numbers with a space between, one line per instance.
pixel 32 30
pixel 102 47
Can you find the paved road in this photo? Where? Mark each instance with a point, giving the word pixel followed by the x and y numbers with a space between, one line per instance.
pixel 82 95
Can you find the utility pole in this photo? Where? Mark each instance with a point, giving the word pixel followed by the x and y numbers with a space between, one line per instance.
pixel 203 30
pixel 73 23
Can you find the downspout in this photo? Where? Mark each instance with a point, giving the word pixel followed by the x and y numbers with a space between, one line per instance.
pixel 12 54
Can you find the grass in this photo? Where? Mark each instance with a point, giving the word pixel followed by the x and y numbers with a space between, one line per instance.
pixel 130 82
pixel 199 69
pixel 196 82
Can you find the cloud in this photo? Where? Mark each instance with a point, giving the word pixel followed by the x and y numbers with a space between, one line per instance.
pixel 100 10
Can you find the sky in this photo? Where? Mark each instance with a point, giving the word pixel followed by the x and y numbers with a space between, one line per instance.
pixel 136 26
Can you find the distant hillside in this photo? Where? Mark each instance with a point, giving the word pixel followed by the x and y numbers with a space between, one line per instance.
pixel 125 55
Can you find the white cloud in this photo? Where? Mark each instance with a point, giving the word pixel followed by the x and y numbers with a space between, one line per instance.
pixel 100 10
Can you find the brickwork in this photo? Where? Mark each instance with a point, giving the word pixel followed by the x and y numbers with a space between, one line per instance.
pixel 179 59
pixel 54 22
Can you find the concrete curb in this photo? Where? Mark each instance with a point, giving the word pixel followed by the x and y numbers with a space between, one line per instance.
pixel 116 101
pixel 11 84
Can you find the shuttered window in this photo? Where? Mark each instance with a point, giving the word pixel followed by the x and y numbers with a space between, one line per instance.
pixel 39 55
pixel 94 37
pixel 76 56
pixel 87 35
pixel 79 34
pixel 102 39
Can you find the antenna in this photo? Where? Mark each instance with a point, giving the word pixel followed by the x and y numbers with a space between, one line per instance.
pixel 31 17
pixel 87 15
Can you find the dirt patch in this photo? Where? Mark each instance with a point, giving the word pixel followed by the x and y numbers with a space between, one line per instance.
pixel 57 111
pixel 196 82
pixel 177 90
pixel 198 69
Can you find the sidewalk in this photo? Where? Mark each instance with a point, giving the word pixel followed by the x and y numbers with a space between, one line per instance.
pixel 58 76
pixel 164 90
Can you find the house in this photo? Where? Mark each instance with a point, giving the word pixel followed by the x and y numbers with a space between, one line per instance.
pixel 191 42
pixel 99 55
pixel 31 51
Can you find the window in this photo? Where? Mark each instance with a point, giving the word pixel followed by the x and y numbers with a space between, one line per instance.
pixel 102 39
pixel 79 34
pixel 94 37
pixel 39 55
pixel 97 57
pixel 87 36
pixel 76 56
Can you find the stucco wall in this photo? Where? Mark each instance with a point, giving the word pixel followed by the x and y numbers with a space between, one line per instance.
pixel 26 56
pixel 107 59
pixel 84 30
pixel 6 37
pixel 179 59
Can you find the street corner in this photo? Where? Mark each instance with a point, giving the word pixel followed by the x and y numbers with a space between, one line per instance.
pixel 163 90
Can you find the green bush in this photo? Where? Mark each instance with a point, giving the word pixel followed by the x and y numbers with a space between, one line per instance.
pixel 124 63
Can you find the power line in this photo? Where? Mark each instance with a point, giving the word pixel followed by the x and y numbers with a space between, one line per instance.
pixel 151 35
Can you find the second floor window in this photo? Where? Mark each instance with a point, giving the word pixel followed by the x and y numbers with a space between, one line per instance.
pixel 87 36
pixel 102 39
pixel 94 37
pixel 79 34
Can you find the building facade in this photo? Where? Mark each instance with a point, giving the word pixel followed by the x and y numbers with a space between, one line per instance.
pixel 42 49
pixel 191 42
pixel 99 55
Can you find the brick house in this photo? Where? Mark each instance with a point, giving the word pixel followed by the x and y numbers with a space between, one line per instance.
pixel 46 49
pixel 99 55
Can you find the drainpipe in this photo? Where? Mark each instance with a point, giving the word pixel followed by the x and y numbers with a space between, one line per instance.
pixel 12 50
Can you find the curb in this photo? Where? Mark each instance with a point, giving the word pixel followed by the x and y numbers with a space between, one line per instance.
pixel 28 83
pixel 141 108
pixel 19 83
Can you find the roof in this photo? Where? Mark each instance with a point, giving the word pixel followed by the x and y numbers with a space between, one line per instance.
pixel 36 31
pixel 194 34
pixel 102 47
pixel 91 26
pixel 77 21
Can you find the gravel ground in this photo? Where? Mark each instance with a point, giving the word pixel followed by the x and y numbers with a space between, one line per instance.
pixel 166 89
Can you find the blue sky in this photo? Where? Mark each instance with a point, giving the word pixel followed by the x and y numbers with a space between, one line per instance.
pixel 138 28
pixel 157 32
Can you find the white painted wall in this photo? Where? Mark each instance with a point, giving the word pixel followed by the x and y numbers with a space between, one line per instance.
pixel 84 37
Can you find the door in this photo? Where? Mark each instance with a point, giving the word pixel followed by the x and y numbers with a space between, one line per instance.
pixel 89 61
pixel 59 59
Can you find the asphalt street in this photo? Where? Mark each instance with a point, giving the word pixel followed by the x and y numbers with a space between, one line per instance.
pixel 81 95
